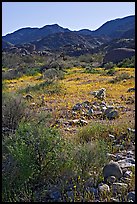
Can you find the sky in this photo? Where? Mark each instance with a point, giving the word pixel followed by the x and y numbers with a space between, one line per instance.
pixel 71 15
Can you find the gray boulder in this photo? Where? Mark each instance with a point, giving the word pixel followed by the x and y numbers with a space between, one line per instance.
pixel 118 54
pixel 126 163
pixel 112 169
pixel 112 114
pixel 131 196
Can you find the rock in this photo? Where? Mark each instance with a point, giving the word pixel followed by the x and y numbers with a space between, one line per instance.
pixel 55 195
pixel 114 200
pixel 119 187
pixel 112 114
pixel 90 111
pixel 100 94
pixel 131 89
pixel 131 196
pixel 86 104
pixel 78 122
pixel 110 108
pixel 112 169
pixel 77 107
pixel 118 54
pixel 125 163
pixel 111 179
pixel 130 153
pixel 112 156
pixel 103 189
pixel 131 130
pixel 103 109
pixel 111 136
pixel 96 108
pixel 128 174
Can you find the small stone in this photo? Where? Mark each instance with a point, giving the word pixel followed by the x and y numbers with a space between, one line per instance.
pixel 131 130
pixel 128 174
pixel 112 169
pixel 55 195
pixel 114 199
pixel 131 196
pixel 131 89
pixel 119 187
pixel 111 136
pixel 112 156
pixel 110 108
pixel 125 163
pixel 111 179
pixel 77 107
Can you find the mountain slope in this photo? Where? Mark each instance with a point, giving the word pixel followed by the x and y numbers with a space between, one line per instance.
pixel 26 35
pixel 116 28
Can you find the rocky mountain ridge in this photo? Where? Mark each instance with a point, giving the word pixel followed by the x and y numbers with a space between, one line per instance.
pixel 55 38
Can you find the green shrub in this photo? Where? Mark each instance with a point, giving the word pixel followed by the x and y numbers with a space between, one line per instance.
pixel 53 74
pixel 109 65
pixel 111 71
pixel 13 110
pixel 120 77
pixel 92 132
pixel 39 153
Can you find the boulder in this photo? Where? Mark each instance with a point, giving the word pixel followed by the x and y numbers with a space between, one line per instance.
pixel 126 163
pixel 131 196
pixel 112 169
pixel 112 114
pixel 118 54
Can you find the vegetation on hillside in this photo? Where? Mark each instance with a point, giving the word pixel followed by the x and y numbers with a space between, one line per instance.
pixel 40 149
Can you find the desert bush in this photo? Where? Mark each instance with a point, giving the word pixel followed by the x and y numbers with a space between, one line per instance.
pixel 13 110
pixel 90 157
pixel 14 74
pixel 92 132
pixel 109 65
pixel 38 153
pixel 32 71
pixel 92 70
pixel 128 62
pixel 53 74
pixel 121 77
pixel 85 58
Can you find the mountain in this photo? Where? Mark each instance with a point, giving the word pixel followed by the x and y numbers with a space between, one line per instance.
pixel 116 28
pixel 26 35
pixel 6 44
pixel 113 34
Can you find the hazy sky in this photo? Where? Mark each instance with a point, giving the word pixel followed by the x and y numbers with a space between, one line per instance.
pixel 72 15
